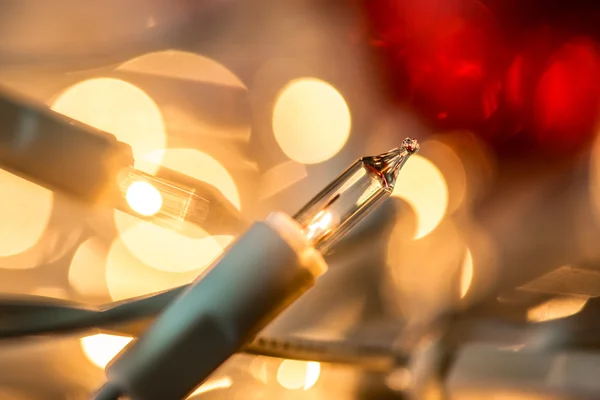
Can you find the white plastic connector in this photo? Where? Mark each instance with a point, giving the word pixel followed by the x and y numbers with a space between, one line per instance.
pixel 295 237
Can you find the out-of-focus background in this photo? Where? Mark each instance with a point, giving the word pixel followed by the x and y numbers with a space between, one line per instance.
pixel 270 100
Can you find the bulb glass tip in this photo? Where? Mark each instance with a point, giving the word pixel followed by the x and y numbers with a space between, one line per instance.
pixel 387 165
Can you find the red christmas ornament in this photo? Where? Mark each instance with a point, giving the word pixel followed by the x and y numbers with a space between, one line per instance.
pixel 500 68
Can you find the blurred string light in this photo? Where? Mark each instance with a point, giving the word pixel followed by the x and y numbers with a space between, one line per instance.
pixel 423 186
pixel 146 257
pixel 193 163
pixel 25 210
pixel 166 249
pixel 202 167
pixel 127 112
pixel 122 109
pixel 182 65
pixel 311 120
pixel 556 308
pixel 293 374
pixel 102 348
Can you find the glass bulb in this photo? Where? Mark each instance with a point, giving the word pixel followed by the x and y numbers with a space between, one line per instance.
pixel 178 202
pixel 349 198
pixel 160 201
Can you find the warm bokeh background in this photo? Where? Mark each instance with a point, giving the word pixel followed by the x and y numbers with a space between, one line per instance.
pixel 270 100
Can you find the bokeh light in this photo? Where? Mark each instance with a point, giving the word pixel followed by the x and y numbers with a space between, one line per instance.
pixel 311 121
pixel 176 262
pixel 451 166
pixel 119 108
pixel 25 210
pixel 143 198
pixel 425 274
pixel 294 374
pixel 556 308
pixel 219 105
pixel 168 250
pixel 100 349
pixel 182 65
pixel 421 184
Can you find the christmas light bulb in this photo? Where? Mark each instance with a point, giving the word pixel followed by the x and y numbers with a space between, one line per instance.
pixel 344 203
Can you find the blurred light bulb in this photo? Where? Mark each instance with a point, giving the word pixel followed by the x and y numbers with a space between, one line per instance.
pixel 119 108
pixel 184 66
pixel 313 371
pixel 293 374
pixel 226 115
pixel 101 349
pixel 25 210
pixel 311 121
pixel 424 187
pixel 144 198
pixel 201 195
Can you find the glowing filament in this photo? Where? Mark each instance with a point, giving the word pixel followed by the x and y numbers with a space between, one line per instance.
pixel 143 198
pixel 320 225
pixel 168 204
